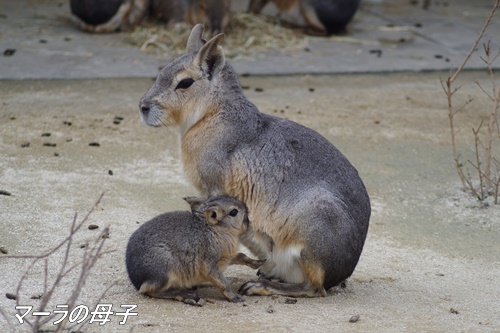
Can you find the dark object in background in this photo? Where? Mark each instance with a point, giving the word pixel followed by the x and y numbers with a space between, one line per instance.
pixel 322 16
pixel 101 16
pixel 95 12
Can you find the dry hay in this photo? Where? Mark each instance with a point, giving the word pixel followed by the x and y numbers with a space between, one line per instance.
pixel 246 36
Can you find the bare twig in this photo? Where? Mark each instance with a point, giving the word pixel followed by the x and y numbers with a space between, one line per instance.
pixel 448 87
pixel 54 249
pixel 88 261
pixel 478 39
pixel 489 139
pixel 478 161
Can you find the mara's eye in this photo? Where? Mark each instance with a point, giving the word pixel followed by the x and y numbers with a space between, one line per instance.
pixel 214 215
pixel 185 83
pixel 233 213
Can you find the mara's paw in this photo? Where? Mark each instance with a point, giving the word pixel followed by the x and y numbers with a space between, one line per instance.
pixel 254 288
pixel 262 275
pixel 257 263
pixel 237 299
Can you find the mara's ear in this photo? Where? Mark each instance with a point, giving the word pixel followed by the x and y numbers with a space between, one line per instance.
pixel 195 41
pixel 210 59
pixel 195 203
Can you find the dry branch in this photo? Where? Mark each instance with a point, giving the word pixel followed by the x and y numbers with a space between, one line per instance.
pixel 484 172
pixel 90 257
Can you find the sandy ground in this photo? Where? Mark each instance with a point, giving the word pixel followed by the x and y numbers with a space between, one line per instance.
pixel 431 262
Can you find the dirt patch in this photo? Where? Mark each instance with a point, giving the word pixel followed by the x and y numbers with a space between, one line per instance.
pixel 431 260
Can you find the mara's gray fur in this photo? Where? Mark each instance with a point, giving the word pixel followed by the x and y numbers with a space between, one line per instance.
pixel 168 256
pixel 308 207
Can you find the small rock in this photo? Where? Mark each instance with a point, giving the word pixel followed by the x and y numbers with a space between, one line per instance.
pixel 69 139
pixel 274 297
pixel 25 145
pixel 354 319
pixel 10 296
pixel 193 302
pixel 290 301
pixel 84 246
pixel 56 154
pixel 7 193
pixel 93 226
pixel 259 89
pixel 378 52
pixel 94 144
pixel 3 250
pixel 454 311
pixel 270 309
pixel 67 123
pixel 36 296
pixel 110 172
pixel 46 134
pixel 311 89
pixel 117 120
pixel 49 144
pixel 9 52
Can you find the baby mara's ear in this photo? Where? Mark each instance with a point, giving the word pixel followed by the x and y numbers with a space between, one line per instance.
pixel 195 203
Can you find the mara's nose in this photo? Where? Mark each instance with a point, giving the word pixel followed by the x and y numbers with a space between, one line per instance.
pixel 144 107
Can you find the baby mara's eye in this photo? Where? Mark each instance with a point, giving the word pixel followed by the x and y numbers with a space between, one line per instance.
pixel 233 213
pixel 184 83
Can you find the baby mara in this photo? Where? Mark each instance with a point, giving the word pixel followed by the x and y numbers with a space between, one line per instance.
pixel 172 254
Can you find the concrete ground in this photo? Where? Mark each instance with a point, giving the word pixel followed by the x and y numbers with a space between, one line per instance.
pixel 385 36
pixel 431 262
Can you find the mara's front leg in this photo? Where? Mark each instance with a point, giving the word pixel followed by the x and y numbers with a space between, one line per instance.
pixel 296 276
pixel 268 287
pixel 302 281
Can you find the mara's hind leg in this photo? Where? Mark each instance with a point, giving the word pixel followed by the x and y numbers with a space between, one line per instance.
pixel 243 259
pixel 188 296
pixel 312 287
pixel 220 281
